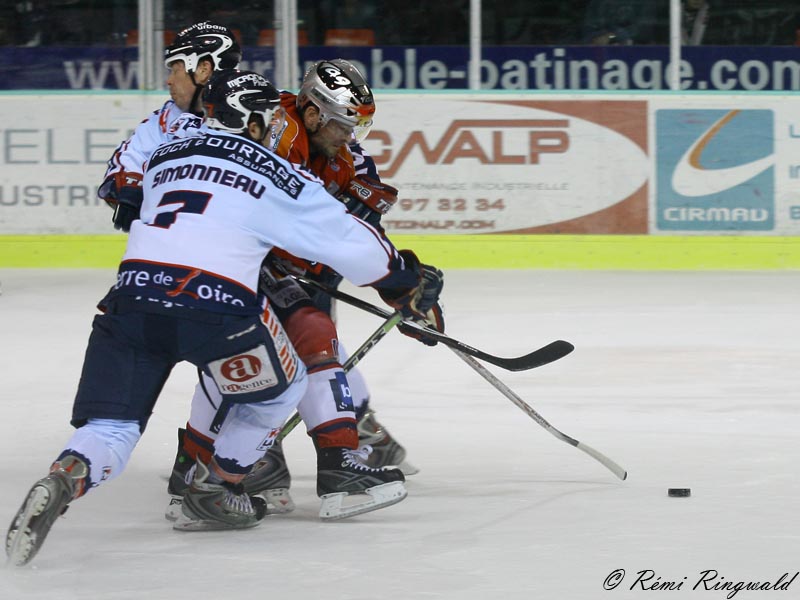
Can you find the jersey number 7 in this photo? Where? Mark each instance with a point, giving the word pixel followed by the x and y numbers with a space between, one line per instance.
pixel 183 201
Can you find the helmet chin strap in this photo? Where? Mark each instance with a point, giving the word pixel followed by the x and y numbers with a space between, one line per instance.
pixel 198 89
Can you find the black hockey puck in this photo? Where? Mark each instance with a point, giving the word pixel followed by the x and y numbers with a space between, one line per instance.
pixel 679 492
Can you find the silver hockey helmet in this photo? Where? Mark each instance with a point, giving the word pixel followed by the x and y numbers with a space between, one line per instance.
pixel 341 93
pixel 204 40
pixel 231 97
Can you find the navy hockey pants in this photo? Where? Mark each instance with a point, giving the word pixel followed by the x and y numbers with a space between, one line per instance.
pixel 132 351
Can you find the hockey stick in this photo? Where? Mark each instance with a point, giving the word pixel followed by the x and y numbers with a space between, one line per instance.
pixel 355 358
pixel 542 356
pixel 508 393
pixel 469 357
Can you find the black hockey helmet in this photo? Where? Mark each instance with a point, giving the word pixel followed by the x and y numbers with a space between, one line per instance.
pixel 204 40
pixel 231 97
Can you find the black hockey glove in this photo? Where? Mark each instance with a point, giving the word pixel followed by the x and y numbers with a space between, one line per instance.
pixel 125 198
pixel 421 303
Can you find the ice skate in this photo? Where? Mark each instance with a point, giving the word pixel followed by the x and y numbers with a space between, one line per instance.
pixel 48 499
pixel 270 479
pixel 342 474
pixel 179 479
pixel 215 506
pixel 386 452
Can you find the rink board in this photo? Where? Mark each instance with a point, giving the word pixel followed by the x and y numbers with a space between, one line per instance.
pixel 527 179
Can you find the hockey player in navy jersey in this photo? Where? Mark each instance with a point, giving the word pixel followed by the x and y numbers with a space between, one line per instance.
pixel 186 290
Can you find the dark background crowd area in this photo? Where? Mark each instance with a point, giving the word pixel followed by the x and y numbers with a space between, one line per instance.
pixel 407 22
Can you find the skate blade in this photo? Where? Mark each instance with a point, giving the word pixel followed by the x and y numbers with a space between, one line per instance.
pixel 407 468
pixel 184 523
pixel 278 500
pixel 379 496
pixel 174 508
pixel 21 548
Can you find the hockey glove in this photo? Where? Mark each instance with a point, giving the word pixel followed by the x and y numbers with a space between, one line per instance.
pixel 126 199
pixel 368 199
pixel 433 319
pixel 417 302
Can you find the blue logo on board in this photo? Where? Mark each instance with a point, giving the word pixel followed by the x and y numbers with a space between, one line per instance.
pixel 715 170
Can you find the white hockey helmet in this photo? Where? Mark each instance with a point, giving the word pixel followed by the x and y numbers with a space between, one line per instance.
pixel 341 93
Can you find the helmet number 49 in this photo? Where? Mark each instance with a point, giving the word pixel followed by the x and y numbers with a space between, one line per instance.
pixel 337 78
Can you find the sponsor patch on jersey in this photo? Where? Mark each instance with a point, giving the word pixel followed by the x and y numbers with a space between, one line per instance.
pixel 188 159
pixel 285 292
pixel 186 125
pixel 175 285
pixel 267 442
pixel 245 373
pixel 341 393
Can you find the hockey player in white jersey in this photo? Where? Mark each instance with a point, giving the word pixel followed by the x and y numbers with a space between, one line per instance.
pixel 191 59
pixel 187 290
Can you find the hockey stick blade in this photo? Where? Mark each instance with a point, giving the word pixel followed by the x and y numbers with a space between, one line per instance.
pixel 542 356
pixel 539 357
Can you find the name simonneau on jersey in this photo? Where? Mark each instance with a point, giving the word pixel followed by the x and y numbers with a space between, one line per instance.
pixel 215 204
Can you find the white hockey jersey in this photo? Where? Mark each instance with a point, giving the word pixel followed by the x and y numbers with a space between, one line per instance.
pixel 216 203
pixel 131 156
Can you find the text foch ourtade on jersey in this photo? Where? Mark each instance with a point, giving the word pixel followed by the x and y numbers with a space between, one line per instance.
pixel 244 152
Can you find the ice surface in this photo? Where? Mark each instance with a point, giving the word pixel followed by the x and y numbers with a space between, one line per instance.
pixel 685 379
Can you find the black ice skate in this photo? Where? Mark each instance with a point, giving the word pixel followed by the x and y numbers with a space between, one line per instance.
pixel 386 452
pixel 215 506
pixel 47 500
pixel 341 473
pixel 270 479
pixel 179 479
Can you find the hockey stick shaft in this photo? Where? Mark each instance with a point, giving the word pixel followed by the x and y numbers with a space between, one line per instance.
pixel 537 358
pixel 355 358
pixel 540 420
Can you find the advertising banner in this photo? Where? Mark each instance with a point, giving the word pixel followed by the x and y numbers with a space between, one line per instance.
pixel 543 68
pixel 491 162
pixel 506 164
pixel 53 153
pixel 726 164
pixel 715 169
